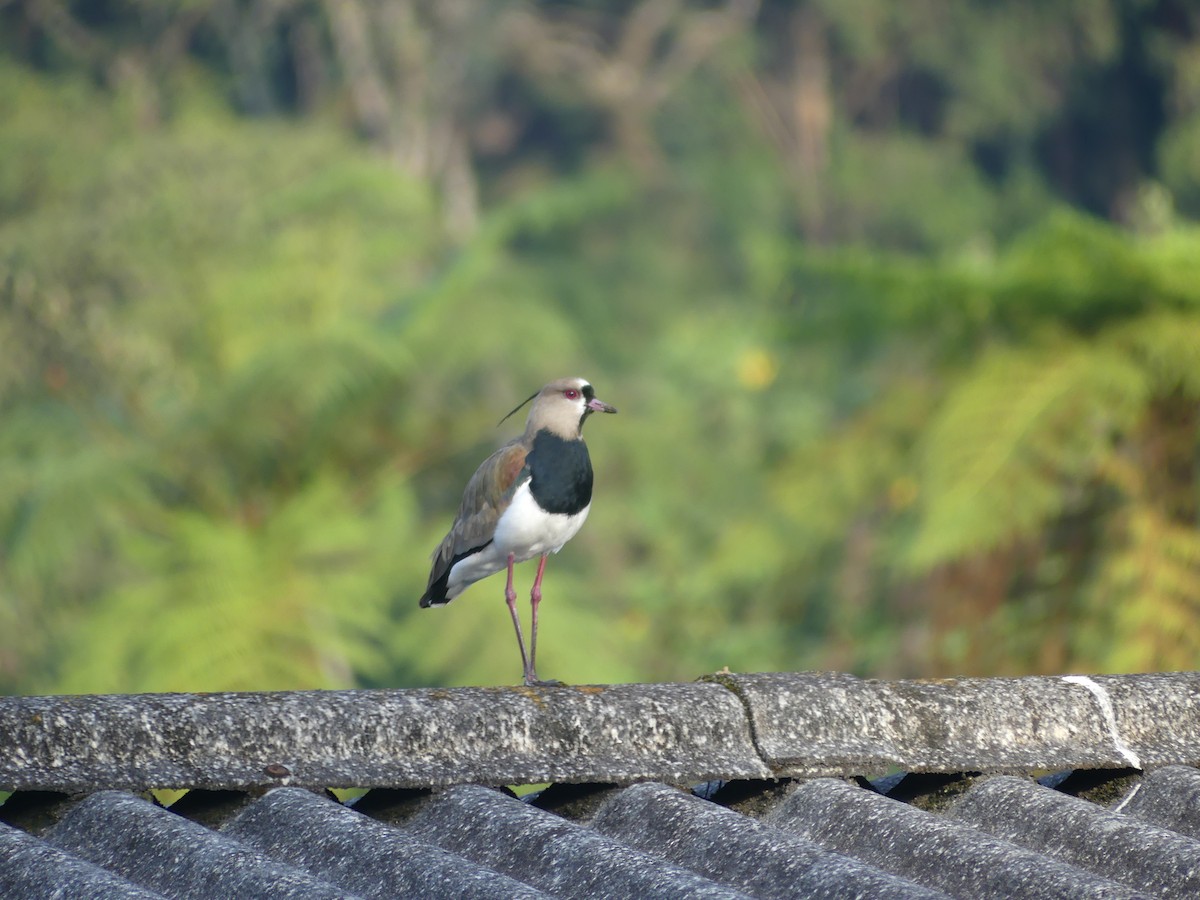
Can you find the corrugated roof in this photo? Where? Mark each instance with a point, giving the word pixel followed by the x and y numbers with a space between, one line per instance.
pixel 742 785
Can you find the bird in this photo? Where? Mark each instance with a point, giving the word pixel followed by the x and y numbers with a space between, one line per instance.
pixel 526 500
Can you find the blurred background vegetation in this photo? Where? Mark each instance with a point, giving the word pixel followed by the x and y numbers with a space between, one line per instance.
pixel 900 304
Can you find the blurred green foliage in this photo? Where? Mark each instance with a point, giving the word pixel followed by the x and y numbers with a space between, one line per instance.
pixel 892 400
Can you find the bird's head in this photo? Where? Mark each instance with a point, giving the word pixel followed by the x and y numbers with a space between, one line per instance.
pixel 562 406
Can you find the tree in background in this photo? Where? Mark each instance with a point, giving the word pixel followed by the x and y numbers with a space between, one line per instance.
pixel 1024 470
pixel 267 269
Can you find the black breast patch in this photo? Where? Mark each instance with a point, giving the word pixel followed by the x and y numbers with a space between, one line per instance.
pixel 561 473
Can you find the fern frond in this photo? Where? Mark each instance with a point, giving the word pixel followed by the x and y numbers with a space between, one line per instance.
pixel 1167 345
pixel 1001 457
pixel 1154 580
pixel 222 604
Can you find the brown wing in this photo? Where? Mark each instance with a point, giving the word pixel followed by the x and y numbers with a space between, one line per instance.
pixel 485 499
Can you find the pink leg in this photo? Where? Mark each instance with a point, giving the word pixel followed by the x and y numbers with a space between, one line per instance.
pixel 510 597
pixel 535 598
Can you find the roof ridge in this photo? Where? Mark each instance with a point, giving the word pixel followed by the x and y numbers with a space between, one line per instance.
pixel 729 726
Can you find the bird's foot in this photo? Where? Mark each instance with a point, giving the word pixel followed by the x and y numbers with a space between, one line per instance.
pixel 534 681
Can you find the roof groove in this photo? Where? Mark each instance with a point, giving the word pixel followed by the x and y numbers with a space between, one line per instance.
pixel 933 849
pixel 1050 822
pixel 838 839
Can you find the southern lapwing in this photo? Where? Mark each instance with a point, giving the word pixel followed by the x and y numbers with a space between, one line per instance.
pixel 527 499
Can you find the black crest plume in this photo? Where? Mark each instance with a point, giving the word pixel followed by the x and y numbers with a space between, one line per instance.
pixel 518 406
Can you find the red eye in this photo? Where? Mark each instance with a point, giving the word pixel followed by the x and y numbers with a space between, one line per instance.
pixel 571 394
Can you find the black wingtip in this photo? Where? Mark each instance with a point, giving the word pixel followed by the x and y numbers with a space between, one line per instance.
pixel 435 594
pixel 432 599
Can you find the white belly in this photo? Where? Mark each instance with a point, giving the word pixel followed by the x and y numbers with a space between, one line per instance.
pixel 524 530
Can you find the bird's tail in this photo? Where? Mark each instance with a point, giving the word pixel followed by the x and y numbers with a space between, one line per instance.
pixel 435 595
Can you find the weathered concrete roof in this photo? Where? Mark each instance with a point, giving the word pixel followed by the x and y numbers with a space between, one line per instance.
pixel 743 785
pixel 731 727
pixel 415 738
